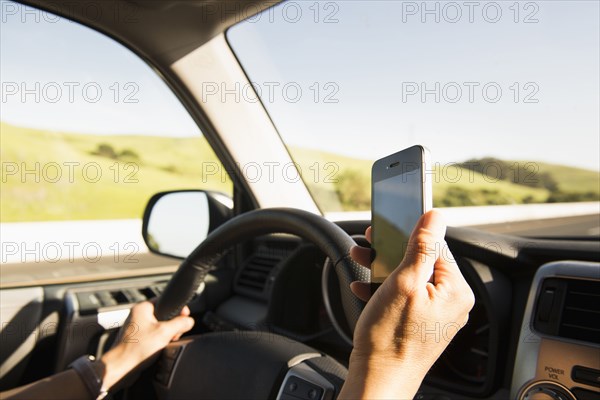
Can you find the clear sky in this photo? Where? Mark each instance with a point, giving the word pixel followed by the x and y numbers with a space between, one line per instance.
pixel 42 48
pixel 376 47
pixel 370 51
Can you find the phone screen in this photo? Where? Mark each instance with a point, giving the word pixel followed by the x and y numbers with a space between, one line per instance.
pixel 397 205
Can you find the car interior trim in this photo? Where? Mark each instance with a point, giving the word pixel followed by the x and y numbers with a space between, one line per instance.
pixel 215 62
pixel 20 315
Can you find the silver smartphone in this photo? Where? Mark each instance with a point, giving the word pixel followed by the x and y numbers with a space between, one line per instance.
pixel 401 193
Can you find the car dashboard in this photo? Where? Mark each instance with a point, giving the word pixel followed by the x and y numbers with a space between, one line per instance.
pixel 532 332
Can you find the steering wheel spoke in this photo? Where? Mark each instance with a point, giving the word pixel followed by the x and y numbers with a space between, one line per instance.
pixel 233 365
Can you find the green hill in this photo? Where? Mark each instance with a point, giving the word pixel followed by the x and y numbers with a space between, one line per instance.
pixel 92 185
pixel 571 179
pixel 133 168
pixel 452 185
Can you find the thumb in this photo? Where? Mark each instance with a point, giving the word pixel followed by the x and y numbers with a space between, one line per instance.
pixel 177 326
pixel 424 247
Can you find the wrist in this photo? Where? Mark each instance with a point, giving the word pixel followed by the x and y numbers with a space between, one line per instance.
pixel 117 364
pixel 374 377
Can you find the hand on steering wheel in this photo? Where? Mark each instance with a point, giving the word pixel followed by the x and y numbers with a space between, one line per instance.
pixel 140 338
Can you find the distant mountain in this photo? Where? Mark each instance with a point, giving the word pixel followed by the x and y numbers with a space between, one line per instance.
pixel 555 178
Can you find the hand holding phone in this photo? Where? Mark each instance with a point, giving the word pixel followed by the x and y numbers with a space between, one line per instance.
pixel 401 193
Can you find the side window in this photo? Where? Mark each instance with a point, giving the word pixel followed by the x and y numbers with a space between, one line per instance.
pixel 89 133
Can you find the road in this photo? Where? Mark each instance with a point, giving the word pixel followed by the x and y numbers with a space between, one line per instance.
pixel 81 270
pixel 580 226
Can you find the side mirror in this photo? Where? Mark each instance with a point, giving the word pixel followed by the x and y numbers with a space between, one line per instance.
pixel 176 222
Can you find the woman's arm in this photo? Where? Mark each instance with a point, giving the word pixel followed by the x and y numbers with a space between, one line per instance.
pixel 149 338
pixel 64 385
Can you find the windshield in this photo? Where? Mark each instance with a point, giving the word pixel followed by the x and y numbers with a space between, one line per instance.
pixel 505 95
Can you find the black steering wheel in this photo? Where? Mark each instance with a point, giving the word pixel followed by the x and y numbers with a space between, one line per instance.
pixel 260 365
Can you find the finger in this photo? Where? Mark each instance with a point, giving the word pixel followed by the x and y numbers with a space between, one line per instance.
pixel 368 234
pixel 362 290
pixel 447 274
pixel 361 255
pixel 424 247
pixel 185 311
pixel 178 326
pixel 446 267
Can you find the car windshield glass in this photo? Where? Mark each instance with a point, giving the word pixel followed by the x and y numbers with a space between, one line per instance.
pixel 504 94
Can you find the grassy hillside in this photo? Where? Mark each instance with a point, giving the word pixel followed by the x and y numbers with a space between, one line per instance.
pixel 133 168
pixel 337 182
pixel 452 185
pixel 572 179
pixel 142 167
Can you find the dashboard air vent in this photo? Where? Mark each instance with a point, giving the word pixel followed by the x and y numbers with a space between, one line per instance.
pixel 581 312
pixel 255 273
pixel 570 309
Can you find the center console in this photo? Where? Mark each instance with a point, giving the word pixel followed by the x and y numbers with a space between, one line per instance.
pixel 558 355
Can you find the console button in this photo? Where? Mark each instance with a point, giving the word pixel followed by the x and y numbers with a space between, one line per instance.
pixel 297 388
pixel 587 376
pixel 88 302
pixel 583 394
pixel 106 298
